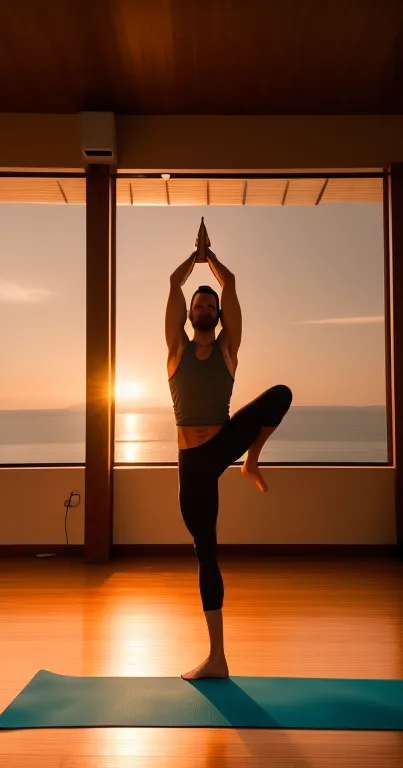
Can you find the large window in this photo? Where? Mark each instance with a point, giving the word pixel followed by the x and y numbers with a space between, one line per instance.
pixel 310 280
pixel 42 313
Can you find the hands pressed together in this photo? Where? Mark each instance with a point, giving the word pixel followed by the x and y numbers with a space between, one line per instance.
pixel 204 255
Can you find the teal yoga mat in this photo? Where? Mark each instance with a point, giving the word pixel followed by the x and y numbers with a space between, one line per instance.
pixel 63 701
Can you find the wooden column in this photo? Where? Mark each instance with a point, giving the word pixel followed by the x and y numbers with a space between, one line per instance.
pixel 101 237
pixel 394 211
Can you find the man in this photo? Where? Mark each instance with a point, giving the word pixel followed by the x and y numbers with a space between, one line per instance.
pixel 201 377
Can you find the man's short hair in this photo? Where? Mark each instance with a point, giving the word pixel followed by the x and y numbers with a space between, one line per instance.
pixel 206 289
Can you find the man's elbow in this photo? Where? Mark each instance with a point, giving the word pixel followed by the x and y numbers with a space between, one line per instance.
pixel 229 279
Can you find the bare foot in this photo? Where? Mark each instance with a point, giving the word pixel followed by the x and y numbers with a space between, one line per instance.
pixel 209 668
pixel 252 471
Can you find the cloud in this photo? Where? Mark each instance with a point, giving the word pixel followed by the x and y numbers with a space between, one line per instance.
pixel 371 320
pixel 11 293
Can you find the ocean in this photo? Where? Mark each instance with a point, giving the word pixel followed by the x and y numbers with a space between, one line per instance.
pixel 344 434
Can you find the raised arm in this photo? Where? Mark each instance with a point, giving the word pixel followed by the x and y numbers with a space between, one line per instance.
pixel 218 269
pixel 182 273
pixel 176 314
pixel 231 315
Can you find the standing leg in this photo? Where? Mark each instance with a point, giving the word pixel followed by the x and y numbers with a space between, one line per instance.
pixel 216 632
pixel 199 506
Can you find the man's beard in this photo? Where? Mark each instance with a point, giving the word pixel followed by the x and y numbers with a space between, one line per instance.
pixel 205 323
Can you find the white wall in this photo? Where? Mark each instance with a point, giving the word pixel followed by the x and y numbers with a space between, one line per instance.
pixel 304 505
pixel 236 143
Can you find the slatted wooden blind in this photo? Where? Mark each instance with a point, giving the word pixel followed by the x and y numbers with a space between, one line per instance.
pixel 304 191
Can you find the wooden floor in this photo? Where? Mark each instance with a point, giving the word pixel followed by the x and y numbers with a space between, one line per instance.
pixel 284 617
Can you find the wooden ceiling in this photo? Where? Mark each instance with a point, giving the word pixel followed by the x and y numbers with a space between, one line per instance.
pixel 133 191
pixel 202 56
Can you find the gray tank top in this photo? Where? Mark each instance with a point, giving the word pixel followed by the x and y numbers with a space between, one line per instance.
pixel 201 389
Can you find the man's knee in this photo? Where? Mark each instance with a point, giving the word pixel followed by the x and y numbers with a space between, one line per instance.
pixel 206 550
pixel 283 397
pixel 284 392
pixel 279 401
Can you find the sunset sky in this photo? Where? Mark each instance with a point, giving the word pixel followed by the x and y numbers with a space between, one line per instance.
pixel 310 281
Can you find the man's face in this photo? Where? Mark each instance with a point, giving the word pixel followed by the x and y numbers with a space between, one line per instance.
pixel 204 315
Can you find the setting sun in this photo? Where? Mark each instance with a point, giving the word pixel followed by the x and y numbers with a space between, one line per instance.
pixel 129 390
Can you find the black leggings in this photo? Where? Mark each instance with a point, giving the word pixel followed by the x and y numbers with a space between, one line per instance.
pixel 199 470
